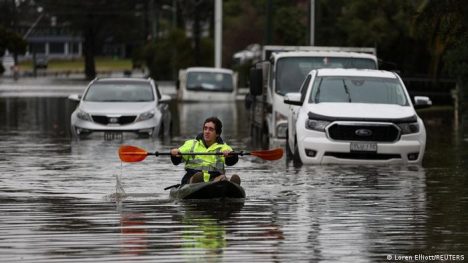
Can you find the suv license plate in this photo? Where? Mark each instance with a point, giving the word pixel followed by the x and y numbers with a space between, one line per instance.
pixel 363 147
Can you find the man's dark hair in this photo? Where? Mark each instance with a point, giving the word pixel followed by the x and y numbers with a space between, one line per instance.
pixel 218 124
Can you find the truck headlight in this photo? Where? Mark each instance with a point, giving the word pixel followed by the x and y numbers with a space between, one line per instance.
pixel 316 125
pixel 146 115
pixel 82 115
pixel 408 128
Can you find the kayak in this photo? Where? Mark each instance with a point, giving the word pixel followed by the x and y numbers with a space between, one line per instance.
pixel 208 190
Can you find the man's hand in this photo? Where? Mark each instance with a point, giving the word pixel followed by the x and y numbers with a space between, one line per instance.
pixel 175 152
pixel 226 153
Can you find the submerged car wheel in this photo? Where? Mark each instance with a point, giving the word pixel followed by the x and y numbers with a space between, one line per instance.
pixel 76 134
pixel 73 133
pixel 289 153
pixel 296 157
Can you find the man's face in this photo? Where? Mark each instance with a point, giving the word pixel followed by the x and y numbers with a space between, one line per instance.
pixel 209 132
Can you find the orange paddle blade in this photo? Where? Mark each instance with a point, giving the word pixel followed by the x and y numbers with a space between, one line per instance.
pixel 131 154
pixel 269 155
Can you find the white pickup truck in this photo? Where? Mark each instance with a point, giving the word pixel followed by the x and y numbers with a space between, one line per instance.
pixel 352 116
pixel 283 70
pixel 207 84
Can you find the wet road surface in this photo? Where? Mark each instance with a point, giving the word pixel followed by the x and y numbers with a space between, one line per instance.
pixel 62 200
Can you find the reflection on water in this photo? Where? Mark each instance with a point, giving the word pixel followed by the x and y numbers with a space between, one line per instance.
pixel 49 116
pixel 60 201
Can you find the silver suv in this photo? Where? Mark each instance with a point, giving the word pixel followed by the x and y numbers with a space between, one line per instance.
pixel 118 105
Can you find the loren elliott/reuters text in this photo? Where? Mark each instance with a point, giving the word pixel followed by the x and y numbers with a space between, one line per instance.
pixel 425 258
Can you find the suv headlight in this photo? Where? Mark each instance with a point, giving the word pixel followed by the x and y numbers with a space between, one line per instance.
pixel 146 115
pixel 316 125
pixel 408 128
pixel 82 115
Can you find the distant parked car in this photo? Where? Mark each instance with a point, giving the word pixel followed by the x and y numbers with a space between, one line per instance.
pixel 41 61
pixel 117 105
pixel 354 116
pixel 207 84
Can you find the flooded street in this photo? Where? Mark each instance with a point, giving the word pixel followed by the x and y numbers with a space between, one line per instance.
pixel 62 200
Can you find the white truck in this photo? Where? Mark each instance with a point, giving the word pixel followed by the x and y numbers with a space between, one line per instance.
pixel 283 70
pixel 355 116
pixel 206 84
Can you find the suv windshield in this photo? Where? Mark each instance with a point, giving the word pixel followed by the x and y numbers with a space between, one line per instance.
pixel 209 81
pixel 120 92
pixel 291 71
pixel 358 90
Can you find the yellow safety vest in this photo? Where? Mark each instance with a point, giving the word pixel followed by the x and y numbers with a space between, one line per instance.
pixel 205 163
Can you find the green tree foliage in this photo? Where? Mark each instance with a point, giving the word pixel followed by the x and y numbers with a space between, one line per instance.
pixel 197 13
pixel 386 25
pixel 445 26
pixel 243 25
pixel 165 57
pixel 11 41
pixel 176 48
pixel 290 26
pixel 98 21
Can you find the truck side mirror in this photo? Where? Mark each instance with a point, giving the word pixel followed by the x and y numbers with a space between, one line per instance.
pixel 75 97
pixel 421 102
pixel 256 81
pixel 293 98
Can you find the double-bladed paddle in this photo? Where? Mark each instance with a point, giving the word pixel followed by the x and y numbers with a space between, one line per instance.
pixel 132 154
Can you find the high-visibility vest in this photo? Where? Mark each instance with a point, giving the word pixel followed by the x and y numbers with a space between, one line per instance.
pixel 205 163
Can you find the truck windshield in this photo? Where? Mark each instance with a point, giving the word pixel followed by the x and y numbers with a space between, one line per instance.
pixel 358 90
pixel 119 92
pixel 210 81
pixel 291 71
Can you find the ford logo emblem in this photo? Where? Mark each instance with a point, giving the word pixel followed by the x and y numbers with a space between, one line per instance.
pixel 363 132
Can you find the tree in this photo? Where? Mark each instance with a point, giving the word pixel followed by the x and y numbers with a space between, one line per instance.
pixel 97 21
pixel 198 13
pixel 290 26
pixel 161 61
pixel 445 25
pixel 242 24
pixel 11 41
pixel 385 25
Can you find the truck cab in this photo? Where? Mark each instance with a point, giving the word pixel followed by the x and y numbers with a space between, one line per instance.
pixel 282 71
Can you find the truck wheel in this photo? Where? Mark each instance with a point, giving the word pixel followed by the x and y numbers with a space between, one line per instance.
pixel 289 153
pixel 296 157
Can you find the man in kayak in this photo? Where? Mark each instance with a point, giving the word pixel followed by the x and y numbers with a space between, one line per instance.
pixel 204 168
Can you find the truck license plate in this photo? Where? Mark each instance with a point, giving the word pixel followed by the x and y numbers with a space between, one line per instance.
pixel 363 147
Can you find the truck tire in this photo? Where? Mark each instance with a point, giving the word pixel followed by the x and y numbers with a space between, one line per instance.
pixel 289 153
pixel 296 157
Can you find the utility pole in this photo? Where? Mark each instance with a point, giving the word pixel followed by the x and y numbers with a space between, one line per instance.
pixel 154 16
pixel 14 23
pixel 218 32
pixel 269 23
pixel 312 22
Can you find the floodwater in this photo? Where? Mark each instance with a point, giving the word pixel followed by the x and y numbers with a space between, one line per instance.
pixel 63 200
